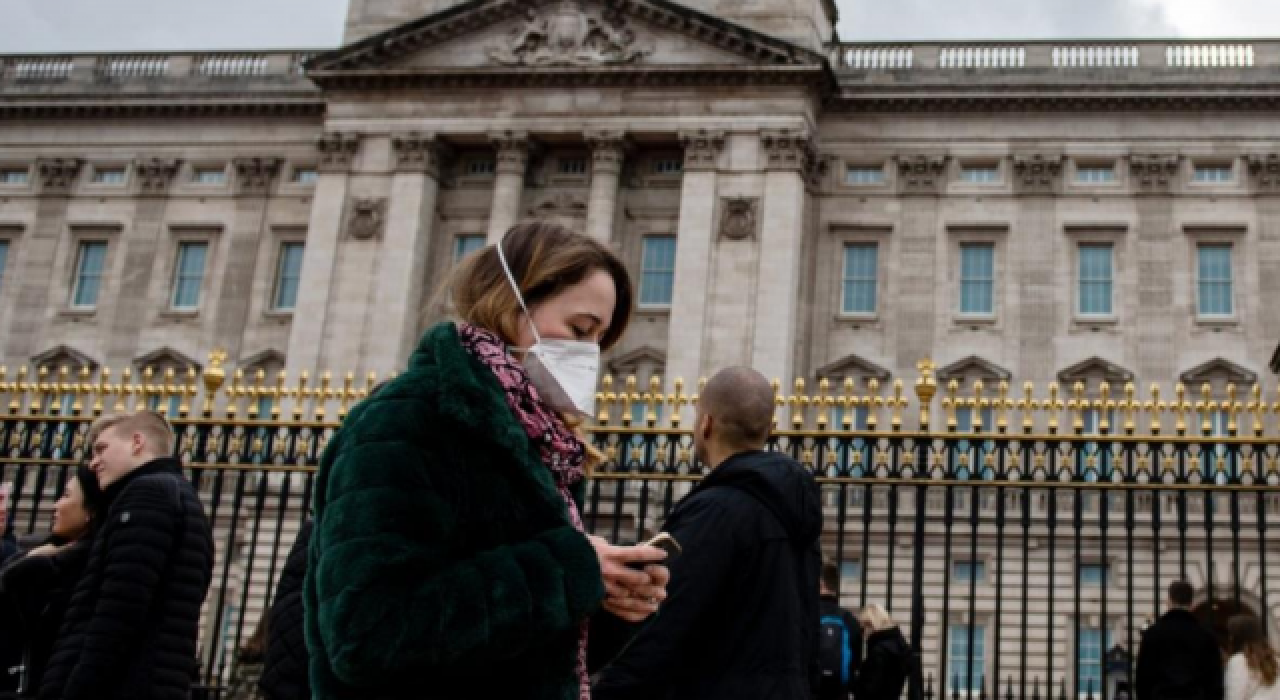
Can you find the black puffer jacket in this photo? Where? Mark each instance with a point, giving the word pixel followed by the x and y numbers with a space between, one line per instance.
pixel 34 594
pixel 284 677
pixel 741 618
pixel 130 631
pixel 888 664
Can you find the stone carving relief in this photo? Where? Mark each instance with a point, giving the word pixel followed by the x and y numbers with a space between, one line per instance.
pixel 1037 173
pixel 512 151
pixel 702 148
pixel 738 218
pixel 58 175
pixel 337 150
pixel 366 218
pixel 787 149
pixel 608 150
pixel 921 174
pixel 420 153
pixel 1153 172
pixel 154 175
pixel 565 35
pixel 255 175
pixel 1265 171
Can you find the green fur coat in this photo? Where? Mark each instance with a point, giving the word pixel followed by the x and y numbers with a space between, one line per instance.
pixel 443 563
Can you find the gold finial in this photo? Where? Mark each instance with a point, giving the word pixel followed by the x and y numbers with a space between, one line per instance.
pixel 214 376
pixel 926 389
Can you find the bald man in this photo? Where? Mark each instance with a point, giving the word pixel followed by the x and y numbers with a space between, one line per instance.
pixel 742 614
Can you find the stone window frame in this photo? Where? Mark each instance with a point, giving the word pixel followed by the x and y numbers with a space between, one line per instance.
pixel 1090 233
pixel 560 159
pixel 1234 236
pixel 8 166
pixel 1076 163
pixel 640 269
pixel 1195 164
pixel 91 178
pixel 192 172
pixel 995 234
pixel 167 266
pixel 886 184
pixel 291 183
pixel 852 234
pixel 981 619
pixel 67 266
pixel 959 184
pixel 11 235
pixel 279 238
pixel 469 158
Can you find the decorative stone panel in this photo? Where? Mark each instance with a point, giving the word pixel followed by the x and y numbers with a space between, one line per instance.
pixel 787 149
pixel 154 175
pixel 367 217
pixel 1154 173
pixel 254 176
pixel 921 173
pixel 58 175
pixel 1264 170
pixel 337 150
pixel 420 153
pixel 739 218
pixel 702 148
pixel 1037 173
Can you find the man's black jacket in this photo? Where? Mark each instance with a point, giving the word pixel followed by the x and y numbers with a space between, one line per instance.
pixel 1179 660
pixel 741 617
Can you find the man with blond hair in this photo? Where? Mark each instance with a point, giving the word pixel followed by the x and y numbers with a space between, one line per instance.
pixel 131 626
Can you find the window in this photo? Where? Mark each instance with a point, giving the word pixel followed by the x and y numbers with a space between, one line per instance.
pixel 466 245
pixel 573 166
pixel 1093 575
pixel 981 174
pixel 1213 174
pixel 1096 274
pixel 1091 651
pixel 860 267
pixel 658 271
pixel 14 176
pixel 288 277
pixel 172 407
pixel 481 166
pixel 1096 174
pixel 865 175
pixel 305 176
pixel 976 450
pixel 977 278
pixel 964 571
pixel 4 260
pixel 850 570
pixel 90 262
pixel 108 176
pixel 209 176
pixel 966 662
pixel 188 275
pixel 668 166
pixel 1214 279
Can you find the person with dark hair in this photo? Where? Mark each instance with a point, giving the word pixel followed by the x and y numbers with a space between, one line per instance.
pixel 1253 667
pixel 1179 659
pixel 839 640
pixel 35 588
pixel 284 674
pixel 741 621
pixel 246 667
pixel 449 546
pixel 889 663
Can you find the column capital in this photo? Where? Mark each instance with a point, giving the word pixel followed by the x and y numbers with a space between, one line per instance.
pixel 1153 173
pixel 921 173
pixel 1037 173
pixel 420 153
pixel 512 150
pixel 608 150
pixel 154 175
pixel 337 150
pixel 58 175
pixel 788 149
pixel 1264 170
pixel 702 148
pixel 254 176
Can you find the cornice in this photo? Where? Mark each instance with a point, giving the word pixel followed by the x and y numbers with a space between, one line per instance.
pixel 309 107
pixel 596 76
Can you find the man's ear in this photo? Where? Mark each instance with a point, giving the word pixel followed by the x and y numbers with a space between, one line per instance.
pixel 705 425
pixel 139 443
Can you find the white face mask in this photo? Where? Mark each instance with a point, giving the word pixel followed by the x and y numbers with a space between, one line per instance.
pixel 565 372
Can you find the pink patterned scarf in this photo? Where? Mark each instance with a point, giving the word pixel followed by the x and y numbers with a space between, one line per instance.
pixel 561 450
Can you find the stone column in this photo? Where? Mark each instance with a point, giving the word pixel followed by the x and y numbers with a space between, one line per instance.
pixel 337 151
pixel 920 179
pixel 392 329
pixel 152 177
pixel 513 149
pixel 608 150
pixel 1037 179
pixel 255 178
pixel 694 239
pixel 33 307
pixel 1153 176
pixel 788 155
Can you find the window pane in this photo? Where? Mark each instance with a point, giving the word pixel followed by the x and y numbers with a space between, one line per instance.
pixel 466 245
pixel 860 268
pixel 305 176
pixel 1093 575
pixel 1213 174
pixel 14 177
pixel 210 176
pixel 288 276
pixel 4 259
pixel 860 175
pixel 969 571
pixel 89 267
pixel 109 176
pixel 573 166
pixel 482 166
pixel 1095 174
pixel 1091 650
pixel 977 277
pixel 668 166
pixel 967 660
pixel 1096 275
pixel 658 271
pixel 189 275
pixel 981 175
pixel 1215 280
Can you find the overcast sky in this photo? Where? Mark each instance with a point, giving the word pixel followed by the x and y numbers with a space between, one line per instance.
pixel 142 25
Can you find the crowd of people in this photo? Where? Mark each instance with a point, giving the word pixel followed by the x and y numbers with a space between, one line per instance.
pixel 447 552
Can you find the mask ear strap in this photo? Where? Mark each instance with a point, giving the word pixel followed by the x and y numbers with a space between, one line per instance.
pixel 502 258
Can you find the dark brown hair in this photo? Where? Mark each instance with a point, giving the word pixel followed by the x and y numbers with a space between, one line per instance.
pixel 1181 594
pixel 545 259
pixel 831 576
pixel 1246 636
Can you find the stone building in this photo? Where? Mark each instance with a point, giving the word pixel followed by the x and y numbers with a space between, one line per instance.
pixel 1043 211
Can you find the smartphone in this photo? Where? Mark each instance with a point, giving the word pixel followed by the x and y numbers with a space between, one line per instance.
pixel 666 543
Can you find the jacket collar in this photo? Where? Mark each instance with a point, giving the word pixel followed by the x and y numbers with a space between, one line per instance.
pixel 160 465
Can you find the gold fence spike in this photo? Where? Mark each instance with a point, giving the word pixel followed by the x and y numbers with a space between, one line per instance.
pixel 1053 406
pixel 926 389
pixel 873 401
pixel 1003 406
pixel 899 403
pixel 1180 409
pixel 949 404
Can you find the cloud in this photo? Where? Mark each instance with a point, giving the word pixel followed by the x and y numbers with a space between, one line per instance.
pixel 1004 19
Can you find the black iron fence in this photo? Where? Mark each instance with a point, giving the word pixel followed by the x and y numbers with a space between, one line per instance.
pixel 1022 560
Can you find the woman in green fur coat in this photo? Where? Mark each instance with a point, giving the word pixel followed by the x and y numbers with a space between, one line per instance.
pixel 448 558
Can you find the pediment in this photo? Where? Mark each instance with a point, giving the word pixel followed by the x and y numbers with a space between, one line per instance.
pixel 166 358
pixel 1095 369
pixel 634 362
pixel 496 36
pixel 59 356
pixel 1219 370
pixel 853 367
pixel 973 368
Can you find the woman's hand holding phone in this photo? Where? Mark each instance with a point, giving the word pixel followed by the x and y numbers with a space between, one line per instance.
pixel 632 594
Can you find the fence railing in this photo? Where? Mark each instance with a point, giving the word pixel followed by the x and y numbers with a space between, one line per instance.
pixel 115 68
pixel 1061 55
pixel 1023 544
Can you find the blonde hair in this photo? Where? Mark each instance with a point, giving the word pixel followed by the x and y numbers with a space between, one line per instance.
pixel 877 617
pixel 149 424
